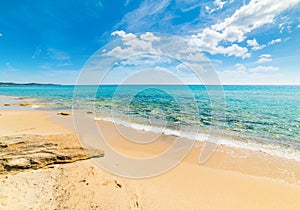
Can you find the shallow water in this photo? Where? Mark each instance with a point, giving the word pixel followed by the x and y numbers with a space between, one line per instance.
pixel 261 117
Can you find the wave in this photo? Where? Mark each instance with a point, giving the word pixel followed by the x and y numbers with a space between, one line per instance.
pixel 271 149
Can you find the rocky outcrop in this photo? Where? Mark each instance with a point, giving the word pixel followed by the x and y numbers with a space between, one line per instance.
pixel 34 151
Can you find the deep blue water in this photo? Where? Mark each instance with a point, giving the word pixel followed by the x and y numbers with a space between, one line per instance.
pixel 267 115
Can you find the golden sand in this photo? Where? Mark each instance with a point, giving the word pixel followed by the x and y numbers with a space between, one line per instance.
pixel 231 179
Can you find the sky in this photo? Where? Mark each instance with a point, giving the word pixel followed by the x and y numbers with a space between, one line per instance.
pixel 247 42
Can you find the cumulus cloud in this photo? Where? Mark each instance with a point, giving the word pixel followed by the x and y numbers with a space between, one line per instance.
pixel 1 35
pixel 209 41
pixel 149 37
pixel 235 28
pixel 264 58
pixel 133 44
pixel 149 43
pixel 254 44
pixel 220 38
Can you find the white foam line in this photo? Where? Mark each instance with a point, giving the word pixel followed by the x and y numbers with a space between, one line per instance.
pixel 35 106
pixel 269 149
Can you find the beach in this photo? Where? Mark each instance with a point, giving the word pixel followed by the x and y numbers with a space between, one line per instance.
pixel 150 105
pixel 231 179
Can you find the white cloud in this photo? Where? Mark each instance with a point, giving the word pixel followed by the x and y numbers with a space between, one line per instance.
pixel 124 35
pixel 264 69
pixel 234 50
pixel 261 74
pixel 209 40
pixel 298 26
pixel 187 5
pixel 274 41
pixel 255 46
pixel 219 3
pixel 149 37
pixel 235 28
pixel 286 24
pixel 238 68
pixel 264 58
pixel 1 35
pixel 145 61
pixel 196 57
pixel 133 44
pixel 258 69
pixel 148 14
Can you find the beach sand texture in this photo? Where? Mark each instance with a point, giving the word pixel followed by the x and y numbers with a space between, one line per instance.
pixel 226 181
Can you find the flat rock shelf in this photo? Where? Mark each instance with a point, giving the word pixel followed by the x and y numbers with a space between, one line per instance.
pixel 24 152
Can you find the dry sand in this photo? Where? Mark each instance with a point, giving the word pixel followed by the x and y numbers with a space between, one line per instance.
pixel 231 179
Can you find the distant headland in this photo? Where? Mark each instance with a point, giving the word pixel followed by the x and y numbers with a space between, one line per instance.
pixel 25 84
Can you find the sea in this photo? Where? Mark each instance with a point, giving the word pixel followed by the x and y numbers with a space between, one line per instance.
pixel 261 118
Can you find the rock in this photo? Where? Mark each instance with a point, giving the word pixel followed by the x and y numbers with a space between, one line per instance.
pixel 172 118
pixel 3 145
pixel 20 163
pixel 24 104
pixel 63 113
pixel 23 152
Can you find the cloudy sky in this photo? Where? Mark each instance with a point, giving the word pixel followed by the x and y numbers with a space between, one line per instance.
pixel 247 42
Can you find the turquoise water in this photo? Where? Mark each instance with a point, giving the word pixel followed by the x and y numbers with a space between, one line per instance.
pixel 259 115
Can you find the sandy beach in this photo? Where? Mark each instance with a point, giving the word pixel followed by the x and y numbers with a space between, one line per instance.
pixel 231 179
pixel 150 105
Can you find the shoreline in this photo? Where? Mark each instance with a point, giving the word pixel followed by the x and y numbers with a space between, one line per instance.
pixel 246 161
pixel 237 153
pixel 243 160
pixel 226 181
pixel 273 150
pixel 233 139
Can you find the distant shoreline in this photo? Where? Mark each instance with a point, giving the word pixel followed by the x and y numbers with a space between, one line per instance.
pixel 26 84
pixel 209 85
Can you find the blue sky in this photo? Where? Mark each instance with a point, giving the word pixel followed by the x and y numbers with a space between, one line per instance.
pixel 248 42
